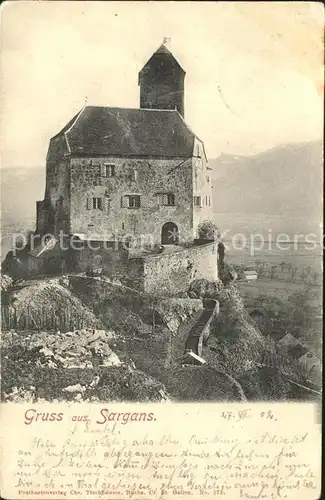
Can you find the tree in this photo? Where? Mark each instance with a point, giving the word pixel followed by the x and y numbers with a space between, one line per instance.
pixel 303 276
pixel 315 277
pixel 308 270
pixel 262 267
pixel 273 271
pixel 207 230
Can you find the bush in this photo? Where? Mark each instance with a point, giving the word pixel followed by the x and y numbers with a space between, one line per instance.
pixel 207 230
pixel 228 274
pixel 204 289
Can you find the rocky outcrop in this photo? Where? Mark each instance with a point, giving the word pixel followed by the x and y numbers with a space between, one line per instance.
pixel 74 366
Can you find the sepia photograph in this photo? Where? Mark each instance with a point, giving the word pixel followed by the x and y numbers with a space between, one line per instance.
pixel 161 250
pixel 161 214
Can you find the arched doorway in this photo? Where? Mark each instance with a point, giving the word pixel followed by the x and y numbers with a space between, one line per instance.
pixel 169 234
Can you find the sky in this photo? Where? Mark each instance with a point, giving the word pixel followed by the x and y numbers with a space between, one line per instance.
pixel 254 71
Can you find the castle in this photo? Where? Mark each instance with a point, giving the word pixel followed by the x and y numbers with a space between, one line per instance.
pixel 114 173
pixel 130 171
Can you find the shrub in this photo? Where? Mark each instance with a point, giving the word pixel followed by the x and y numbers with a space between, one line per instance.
pixel 202 288
pixel 228 274
pixel 207 230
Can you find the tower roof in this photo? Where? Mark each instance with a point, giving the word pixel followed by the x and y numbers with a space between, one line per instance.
pixel 162 51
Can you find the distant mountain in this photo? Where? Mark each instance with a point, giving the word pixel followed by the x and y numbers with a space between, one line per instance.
pixel 285 179
pixel 285 182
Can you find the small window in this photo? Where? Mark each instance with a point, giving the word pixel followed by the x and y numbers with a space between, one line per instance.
pixel 134 201
pixel 109 170
pixel 170 199
pixel 131 201
pixel 97 203
pixel 197 201
pixel 134 175
pixel 167 199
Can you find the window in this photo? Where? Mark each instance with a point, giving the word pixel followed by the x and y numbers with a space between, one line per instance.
pixel 134 175
pixel 134 201
pixel 131 201
pixel 97 203
pixel 167 199
pixel 109 170
pixel 197 201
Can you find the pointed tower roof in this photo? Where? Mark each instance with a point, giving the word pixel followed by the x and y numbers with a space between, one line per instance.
pixel 164 51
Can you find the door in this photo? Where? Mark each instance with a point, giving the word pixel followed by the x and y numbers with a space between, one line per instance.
pixel 169 234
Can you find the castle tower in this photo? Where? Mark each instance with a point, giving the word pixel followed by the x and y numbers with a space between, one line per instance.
pixel 161 81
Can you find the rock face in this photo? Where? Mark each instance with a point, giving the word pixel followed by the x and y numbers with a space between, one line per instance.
pixel 175 311
pixel 71 366
pixel 78 349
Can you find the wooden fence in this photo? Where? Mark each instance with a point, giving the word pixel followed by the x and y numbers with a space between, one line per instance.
pixel 43 319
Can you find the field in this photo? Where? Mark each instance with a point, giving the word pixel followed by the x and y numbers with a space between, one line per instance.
pixel 286 263
pixel 283 277
pixel 281 273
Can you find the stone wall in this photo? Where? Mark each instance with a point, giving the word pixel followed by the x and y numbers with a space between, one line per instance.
pixel 171 273
pixel 152 176
pixel 113 262
pixel 72 183
pixel 159 274
pixel 54 214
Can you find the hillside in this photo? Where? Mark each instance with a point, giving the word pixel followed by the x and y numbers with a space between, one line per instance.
pixel 285 183
pixel 105 351
pixel 284 179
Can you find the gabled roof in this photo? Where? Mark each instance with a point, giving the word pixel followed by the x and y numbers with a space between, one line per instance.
pixel 297 351
pixel 289 340
pixel 106 131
